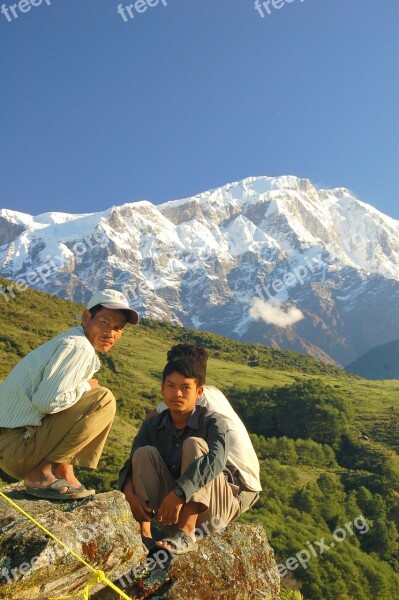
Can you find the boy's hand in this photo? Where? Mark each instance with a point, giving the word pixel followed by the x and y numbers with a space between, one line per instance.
pixel 168 512
pixel 140 509
pixel 94 383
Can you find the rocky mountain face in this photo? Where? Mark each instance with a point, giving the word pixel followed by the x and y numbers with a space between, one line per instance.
pixel 268 260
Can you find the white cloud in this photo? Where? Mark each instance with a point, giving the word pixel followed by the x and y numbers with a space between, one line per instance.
pixel 273 312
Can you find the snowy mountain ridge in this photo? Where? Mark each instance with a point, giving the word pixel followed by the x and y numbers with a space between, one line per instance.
pixel 235 260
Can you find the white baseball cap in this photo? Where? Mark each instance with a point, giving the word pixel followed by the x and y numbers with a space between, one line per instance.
pixel 115 300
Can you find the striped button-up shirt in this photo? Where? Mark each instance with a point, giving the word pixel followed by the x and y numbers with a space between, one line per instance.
pixel 49 379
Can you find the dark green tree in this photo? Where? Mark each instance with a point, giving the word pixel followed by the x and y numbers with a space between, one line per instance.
pixel 311 409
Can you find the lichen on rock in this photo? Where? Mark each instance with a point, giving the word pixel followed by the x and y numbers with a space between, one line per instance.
pixel 237 563
pixel 32 565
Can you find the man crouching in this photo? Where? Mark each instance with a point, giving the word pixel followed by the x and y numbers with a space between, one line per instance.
pixel 175 468
pixel 53 414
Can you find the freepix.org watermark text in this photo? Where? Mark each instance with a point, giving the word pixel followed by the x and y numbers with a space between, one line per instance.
pixel 52 265
pixel 134 9
pixel 13 11
pixel 53 553
pixel 292 278
pixel 268 6
pixel 315 549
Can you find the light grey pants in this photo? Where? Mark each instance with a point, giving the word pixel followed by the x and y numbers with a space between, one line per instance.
pixel 152 481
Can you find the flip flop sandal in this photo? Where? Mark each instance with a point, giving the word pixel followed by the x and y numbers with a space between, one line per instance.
pixel 180 541
pixel 52 492
pixel 82 488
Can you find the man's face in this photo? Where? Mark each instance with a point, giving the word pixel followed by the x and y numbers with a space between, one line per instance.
pixel 180 393
pixel 104 329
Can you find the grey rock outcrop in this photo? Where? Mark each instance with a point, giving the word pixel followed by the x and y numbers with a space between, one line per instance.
pixel 33 566
pixel 237 563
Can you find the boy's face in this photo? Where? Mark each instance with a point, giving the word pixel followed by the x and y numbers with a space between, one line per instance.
pixel 180 393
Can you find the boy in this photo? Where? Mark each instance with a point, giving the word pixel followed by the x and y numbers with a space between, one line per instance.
pixel 242 461
pixel 175 469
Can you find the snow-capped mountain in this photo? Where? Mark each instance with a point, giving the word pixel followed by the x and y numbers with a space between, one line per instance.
pixel 269 260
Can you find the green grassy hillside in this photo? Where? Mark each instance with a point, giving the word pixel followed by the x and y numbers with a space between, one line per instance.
pixel 311 487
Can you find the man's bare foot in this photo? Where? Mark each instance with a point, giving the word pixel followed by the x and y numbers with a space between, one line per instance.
pixel 41 482
pixel 42 477
pixel 66 472
pixel 46 473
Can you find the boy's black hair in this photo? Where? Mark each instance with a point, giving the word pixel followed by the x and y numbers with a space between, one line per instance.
pixel 98 307
pixel 186 367
pixel 191 352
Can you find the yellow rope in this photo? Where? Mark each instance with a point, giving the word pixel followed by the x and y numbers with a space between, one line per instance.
pixel 98 574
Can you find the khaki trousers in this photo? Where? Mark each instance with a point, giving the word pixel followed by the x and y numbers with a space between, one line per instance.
pixel 75 436
pixel 152 481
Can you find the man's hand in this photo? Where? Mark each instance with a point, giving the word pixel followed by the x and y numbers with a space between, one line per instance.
pixel 168 512
pixel 94 383
pixel 140 509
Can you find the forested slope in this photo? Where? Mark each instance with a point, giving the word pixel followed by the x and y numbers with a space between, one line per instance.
pixel 327 442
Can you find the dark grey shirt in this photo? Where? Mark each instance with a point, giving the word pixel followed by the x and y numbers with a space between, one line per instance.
pixel 159 431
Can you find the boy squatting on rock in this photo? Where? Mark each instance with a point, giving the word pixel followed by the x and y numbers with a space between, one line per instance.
pixel 242 462
pixel 176 469
pixel 53 414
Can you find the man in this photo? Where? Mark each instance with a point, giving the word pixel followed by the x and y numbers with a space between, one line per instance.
pixel 53 414
pixel 242 461
pixel 175 469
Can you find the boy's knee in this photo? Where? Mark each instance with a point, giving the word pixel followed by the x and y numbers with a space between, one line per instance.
pixel 194 443
pixel 144 452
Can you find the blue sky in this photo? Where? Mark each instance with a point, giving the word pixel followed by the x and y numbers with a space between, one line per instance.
pixel 96 111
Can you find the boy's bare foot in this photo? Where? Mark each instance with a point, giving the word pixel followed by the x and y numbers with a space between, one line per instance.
pixel 178 542
pixel 145 529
